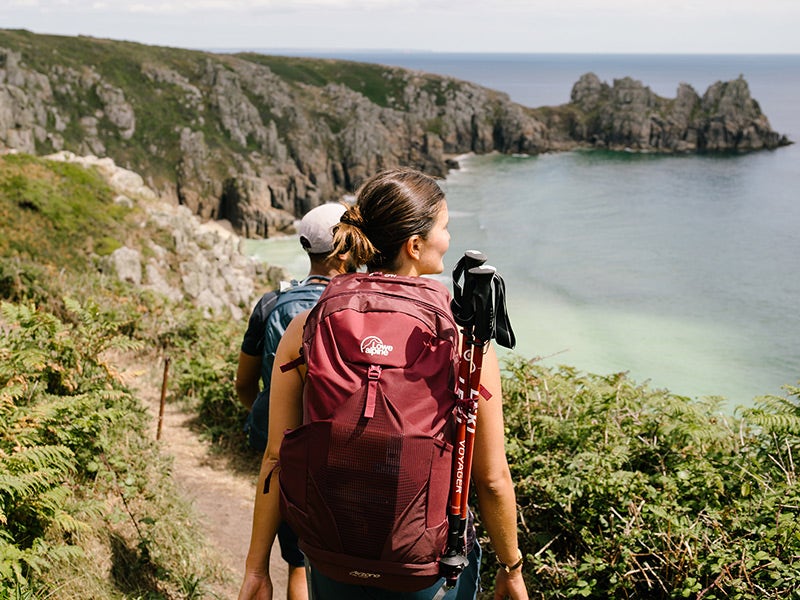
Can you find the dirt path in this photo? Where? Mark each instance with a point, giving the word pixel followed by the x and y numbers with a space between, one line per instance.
pixel 222 497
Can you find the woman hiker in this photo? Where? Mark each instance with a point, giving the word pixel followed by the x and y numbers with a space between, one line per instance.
pixel 397 226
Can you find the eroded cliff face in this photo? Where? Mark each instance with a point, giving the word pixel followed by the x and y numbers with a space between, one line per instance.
pixel 261 140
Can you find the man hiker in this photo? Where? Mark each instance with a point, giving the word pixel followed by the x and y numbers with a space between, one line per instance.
pixel 267 323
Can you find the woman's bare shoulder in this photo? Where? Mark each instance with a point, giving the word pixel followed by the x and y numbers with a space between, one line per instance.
pixel 294 332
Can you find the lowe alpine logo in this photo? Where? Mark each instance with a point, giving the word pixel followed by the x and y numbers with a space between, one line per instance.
pixel 362 575
pixel 374 346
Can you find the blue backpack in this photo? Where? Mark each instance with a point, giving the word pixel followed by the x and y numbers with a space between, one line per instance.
pixel 287 305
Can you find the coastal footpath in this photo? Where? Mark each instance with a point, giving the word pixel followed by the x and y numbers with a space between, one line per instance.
pixel 259 140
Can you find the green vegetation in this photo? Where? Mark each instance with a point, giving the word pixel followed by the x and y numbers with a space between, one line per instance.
pixel 87 504
pixel 380 84
pixel 170 90
pixel 159 116
pixel 207 354
pixel 81 482
pixel 56 213
pixel 628 492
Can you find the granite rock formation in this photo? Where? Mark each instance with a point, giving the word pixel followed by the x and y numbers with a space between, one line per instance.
pixel 204 264
pixel 628 115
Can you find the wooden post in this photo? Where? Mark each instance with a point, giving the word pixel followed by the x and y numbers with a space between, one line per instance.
pixel 163 398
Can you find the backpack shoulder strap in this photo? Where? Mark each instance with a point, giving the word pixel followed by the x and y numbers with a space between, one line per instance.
pixel 306 290
pixel 268 302
pixel 315 281
pixel 321 279
pixel 270 299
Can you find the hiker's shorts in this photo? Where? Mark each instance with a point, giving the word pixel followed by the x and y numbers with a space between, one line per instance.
pixel 257 424
pixel 289 550
pixel 323 588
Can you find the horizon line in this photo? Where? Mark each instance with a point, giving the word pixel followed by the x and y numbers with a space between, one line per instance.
pixel 485 52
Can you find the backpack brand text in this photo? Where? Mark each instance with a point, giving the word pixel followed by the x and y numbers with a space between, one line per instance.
pixel 374 346
pixel 362 575
pixel 460 467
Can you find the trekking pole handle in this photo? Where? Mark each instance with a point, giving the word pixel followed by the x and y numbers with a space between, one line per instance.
pixel 481 279
pixel 462 293
pixel 474 258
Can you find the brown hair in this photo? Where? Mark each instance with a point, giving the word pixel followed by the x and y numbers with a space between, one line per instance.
pixel 390 207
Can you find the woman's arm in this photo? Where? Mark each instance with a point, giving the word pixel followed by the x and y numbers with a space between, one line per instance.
pixel 285 412
pixel 493 482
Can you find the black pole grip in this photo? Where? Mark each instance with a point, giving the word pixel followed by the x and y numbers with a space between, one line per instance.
pixel 481 279
pixel 463 309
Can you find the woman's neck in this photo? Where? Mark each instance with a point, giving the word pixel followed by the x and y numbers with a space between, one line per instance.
pixel 403 265
pixel 406 271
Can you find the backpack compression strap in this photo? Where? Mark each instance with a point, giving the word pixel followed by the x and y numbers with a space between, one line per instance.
pixel 293 364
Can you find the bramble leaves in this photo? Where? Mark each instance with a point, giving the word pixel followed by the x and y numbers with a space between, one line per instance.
pixel 629 492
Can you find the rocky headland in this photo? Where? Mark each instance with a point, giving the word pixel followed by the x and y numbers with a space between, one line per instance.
pixel 259 140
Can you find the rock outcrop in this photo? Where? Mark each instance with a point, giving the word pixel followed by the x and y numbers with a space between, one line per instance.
pixel 259 140
pixel 628 115
pixel 204 263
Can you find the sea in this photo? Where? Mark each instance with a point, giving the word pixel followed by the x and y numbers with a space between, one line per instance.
pixel 682 271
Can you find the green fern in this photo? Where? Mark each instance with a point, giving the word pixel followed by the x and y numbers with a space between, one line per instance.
pixel 775 414
pixel 34 470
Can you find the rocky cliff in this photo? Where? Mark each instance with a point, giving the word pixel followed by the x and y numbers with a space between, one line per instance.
pixel 259 140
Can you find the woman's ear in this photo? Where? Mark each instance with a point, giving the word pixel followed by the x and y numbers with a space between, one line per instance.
pixel 413 246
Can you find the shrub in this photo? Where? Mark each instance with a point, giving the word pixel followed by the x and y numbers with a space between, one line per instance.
pixel 629 492
pixel 206 354
pixel 82 485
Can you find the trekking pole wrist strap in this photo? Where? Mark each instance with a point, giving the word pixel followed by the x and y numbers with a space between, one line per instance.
pixel 516 565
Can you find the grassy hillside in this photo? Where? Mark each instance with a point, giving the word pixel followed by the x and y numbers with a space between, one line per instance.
pixel 118 63
pixel 87 505
pixel 57 213
pixel 382 85
pixel 162 109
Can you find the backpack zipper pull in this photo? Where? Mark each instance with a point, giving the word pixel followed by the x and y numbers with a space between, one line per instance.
pixel 374 374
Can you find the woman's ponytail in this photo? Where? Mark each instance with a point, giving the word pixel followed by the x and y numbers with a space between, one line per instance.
pixel 349 237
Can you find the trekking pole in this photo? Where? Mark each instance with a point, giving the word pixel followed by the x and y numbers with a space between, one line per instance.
pixel 490 321
pixel 483 326
pixel 454 558
pixel 480 308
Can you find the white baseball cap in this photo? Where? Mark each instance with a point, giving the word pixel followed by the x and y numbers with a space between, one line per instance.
pixel 316 227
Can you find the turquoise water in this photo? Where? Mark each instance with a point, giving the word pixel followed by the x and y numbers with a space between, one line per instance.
pixel 683 271
pixel 676 269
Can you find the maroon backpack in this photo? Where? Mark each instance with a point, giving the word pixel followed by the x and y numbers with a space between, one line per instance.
pixel 365 480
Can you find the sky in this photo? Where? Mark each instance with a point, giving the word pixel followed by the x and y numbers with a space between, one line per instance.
pixel 535 26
